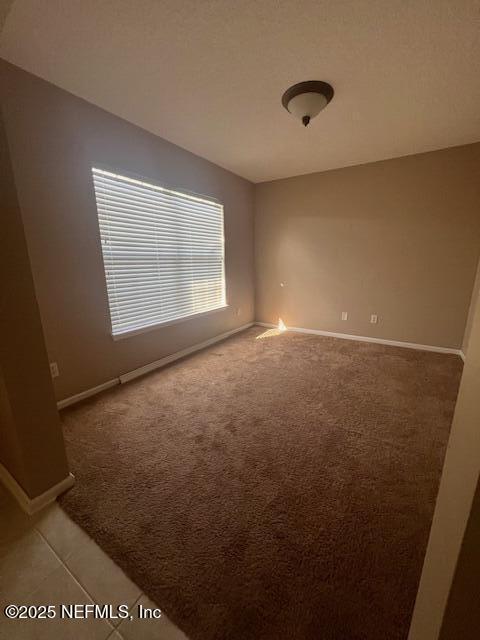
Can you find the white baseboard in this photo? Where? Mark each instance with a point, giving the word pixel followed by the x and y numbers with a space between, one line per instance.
pixel 181 354
pixel 202 345
pixel 149 367
pixel 87 393
pixel 392 343
pixel 32 505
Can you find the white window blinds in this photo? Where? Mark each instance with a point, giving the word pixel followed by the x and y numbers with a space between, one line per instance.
pixel 163 252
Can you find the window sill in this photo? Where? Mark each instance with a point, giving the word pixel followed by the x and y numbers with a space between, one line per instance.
pixel 169 323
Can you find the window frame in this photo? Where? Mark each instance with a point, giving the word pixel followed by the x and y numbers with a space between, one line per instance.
pixel 141 179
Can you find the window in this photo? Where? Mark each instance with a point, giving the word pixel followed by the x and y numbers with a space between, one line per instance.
pixel 163 252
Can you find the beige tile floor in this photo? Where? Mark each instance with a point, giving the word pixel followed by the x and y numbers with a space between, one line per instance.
pixel 47 559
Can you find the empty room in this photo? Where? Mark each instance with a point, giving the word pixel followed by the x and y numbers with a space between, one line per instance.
pixel 239 320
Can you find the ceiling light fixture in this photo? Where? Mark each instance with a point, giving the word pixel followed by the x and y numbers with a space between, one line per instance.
pixel 305 100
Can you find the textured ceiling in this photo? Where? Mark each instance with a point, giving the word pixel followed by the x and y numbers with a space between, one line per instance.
pixel 208 75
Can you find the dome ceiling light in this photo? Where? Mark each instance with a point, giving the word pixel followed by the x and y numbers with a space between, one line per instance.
pixel 305 100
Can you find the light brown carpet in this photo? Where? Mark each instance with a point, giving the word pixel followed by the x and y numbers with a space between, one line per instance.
pixel 268 488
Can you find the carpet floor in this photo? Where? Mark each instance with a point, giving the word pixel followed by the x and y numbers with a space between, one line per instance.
pixel 273 486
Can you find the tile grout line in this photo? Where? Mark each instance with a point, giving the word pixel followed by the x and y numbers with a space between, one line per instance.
pixel 45 577
pixel 63 564
pixel 84 588
pixel 137 600
pixel 72 575
pixel 112 633
pixel 130 612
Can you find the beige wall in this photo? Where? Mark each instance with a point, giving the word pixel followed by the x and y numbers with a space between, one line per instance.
pixel 10 450
pixel 471 311
pixel 31 443
pixel 55 139
pixel 462 616
pixel 398 238
pixel 454 502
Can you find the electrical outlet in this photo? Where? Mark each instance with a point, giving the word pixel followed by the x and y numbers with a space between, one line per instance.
pixel 54 369
pixel 344 315
pixel 238 311
pixel 374 318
